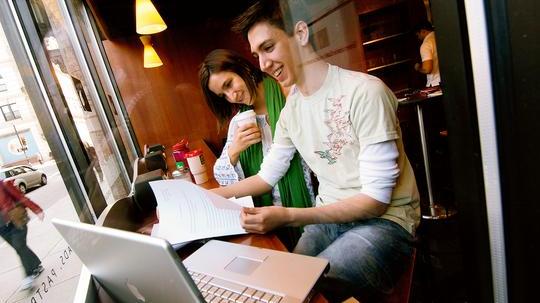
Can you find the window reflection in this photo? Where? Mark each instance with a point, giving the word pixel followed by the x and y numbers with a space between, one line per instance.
pixel 79 101
pixel 26 160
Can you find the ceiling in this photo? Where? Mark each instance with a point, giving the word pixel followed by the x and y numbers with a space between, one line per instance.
pixel 117 18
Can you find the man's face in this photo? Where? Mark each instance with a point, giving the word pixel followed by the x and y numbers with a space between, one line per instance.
pixel 272 47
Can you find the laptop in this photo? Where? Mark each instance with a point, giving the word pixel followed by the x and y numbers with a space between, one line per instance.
pixel 133 267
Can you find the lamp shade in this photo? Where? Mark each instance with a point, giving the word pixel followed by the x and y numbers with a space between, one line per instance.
pixel 151 58
pixel 147 19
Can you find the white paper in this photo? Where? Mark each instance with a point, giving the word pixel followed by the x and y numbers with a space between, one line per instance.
pixel 243 201
pixel 188 212
pixel 435 93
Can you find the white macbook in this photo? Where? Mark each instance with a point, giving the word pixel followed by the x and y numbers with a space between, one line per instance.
pixel 138 268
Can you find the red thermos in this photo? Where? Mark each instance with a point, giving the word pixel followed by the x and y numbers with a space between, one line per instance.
pixel 179 151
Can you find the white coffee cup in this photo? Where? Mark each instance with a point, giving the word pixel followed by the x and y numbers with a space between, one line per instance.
pixel 197 165
pixel 196 161
pixel 200 178
pixel 247 117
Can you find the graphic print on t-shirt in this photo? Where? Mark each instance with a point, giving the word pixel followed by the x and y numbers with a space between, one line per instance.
pixel 340 130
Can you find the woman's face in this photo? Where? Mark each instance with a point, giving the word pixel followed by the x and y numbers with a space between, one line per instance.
pixel 230 86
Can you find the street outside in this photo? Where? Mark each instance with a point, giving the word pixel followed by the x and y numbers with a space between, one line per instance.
pixel 47 195
pixel 62 267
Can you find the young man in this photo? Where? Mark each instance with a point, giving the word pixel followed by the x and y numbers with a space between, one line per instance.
pixel 428 53
pixel 343 124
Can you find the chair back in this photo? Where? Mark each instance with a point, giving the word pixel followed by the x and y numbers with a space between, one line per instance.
pixel 122 214
pixel 143 195
pixel 402 290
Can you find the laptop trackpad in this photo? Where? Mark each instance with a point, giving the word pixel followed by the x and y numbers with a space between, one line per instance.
pixel 242 265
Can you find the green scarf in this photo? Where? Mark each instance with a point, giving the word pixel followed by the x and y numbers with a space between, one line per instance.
pixel 292 187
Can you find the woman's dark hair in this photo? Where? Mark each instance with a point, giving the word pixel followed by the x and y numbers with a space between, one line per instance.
pixel 221 60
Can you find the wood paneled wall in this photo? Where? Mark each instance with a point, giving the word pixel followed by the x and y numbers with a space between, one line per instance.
pixel 166 103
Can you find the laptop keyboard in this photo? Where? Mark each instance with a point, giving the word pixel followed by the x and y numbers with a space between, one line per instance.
pixel 216 290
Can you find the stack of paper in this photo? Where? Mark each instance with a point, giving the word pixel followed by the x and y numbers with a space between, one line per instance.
pixel 188 212
pixel 435 93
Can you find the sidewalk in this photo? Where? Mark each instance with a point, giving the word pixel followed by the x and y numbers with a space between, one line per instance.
pixel 58 281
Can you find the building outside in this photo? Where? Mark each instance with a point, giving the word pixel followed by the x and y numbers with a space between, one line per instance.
pixel 21 137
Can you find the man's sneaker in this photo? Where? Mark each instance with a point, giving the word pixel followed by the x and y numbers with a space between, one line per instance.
pixel 37 271
pixel 27 283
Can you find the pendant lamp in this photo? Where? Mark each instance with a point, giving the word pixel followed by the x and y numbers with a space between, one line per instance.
pixel 147 19
pixel 151 58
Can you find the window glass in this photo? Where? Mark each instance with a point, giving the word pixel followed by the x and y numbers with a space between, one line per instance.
pixel 17 171
pixel 164 103
pixel 22 141
pixel 82 101
pixel 114 102
pixel 3 86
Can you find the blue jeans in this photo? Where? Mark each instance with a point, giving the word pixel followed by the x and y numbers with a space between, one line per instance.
pixel 366 257
pixel 17 239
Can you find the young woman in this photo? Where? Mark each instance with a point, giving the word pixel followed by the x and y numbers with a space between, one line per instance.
pixel 231 85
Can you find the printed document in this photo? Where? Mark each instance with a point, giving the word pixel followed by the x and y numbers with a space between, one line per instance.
pixel 188 212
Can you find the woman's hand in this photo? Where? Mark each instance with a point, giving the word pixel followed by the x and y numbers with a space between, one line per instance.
pixel 244 136
pixel 260 220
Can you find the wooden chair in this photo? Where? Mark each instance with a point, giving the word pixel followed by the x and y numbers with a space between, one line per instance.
pixel 122 214
pixel 402 291
pixel 141 166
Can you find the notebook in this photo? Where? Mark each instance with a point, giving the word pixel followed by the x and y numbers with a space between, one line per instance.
pixel 137 268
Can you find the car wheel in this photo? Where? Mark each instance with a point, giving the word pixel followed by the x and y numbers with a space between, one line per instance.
pixel 22 188
pixel 43 179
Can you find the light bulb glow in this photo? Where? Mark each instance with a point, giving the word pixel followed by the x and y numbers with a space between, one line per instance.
pixel 147 19
pixel 151 58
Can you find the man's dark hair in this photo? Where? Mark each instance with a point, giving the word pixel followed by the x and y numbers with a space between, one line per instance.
pixel 423 25
pixel 221 60
pixel 277 13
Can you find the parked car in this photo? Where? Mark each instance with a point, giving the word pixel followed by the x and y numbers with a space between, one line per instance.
pixel 23 177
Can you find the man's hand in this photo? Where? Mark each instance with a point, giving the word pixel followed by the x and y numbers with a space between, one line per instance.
pixel 244 136
pixel 260 220
pixel 416 66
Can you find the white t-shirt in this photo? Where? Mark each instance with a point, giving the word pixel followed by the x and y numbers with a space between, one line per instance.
pixel 329 129
pixel 428 51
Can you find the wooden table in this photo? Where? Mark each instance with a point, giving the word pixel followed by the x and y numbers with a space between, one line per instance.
pixel 123 214
pixel 269 241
